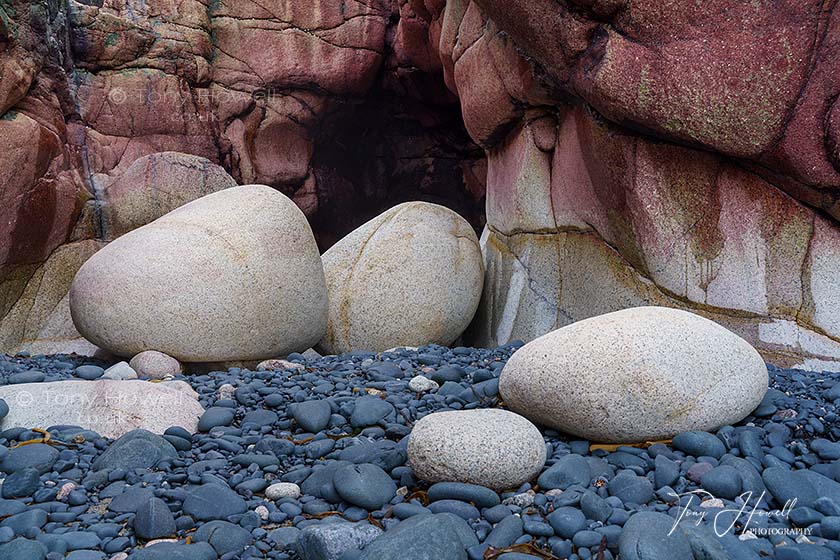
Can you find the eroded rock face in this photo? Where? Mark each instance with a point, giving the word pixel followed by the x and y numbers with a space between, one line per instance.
pixel 94 93
pixel 606 202
pixel 678 154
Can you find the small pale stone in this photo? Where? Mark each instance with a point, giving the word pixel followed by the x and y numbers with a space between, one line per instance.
pixel 119 556
pixel 226 391
pixel 282 490
pixel 490 447
pixel 274 363
pixel 421 384
pixel 262 511
pixel 152 364
pixel 120 371
pixel 65 490
pixel 523 500
pixel 158 541
pixel 311 354
pixel 712 503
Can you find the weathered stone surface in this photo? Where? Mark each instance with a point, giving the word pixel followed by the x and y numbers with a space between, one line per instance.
pixel 717 109
pixel 640 374
pixel 624 221
pixel 92 94
pixel 235 275
pixel 152 364
pixel 155 185
pixel 489 447
pixel 39 322
pixel 110 408
pixel 411 276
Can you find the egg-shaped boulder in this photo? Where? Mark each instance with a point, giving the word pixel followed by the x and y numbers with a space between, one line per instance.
pixel 234 275
pixel 639 374
pixel 490 447
pixel 411 276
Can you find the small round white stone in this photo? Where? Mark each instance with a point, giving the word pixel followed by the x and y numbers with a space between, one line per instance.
pixel 421 384
pixel 152 364
pixel 282 490
pixel 262 511
pixel 226 391
pixel 491 447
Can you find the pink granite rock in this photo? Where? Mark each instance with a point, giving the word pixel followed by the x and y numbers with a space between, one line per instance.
pixel 684 154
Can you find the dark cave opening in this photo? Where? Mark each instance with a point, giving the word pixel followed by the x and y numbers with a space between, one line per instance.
pixel 400 143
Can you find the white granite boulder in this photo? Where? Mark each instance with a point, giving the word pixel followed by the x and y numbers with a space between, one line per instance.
pixel 639 374
pixel 411 276
pixel 109 407
pixel 491 447
pixel 235 275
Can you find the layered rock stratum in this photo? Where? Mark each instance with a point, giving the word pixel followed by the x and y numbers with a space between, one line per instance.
pixel 676 154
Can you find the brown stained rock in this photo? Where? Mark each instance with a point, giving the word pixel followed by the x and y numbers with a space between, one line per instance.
pixel 39 321
pixel 641 222
pixel 756 83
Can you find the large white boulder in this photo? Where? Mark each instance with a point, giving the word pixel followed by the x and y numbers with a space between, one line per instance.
pixel 491 447
pixel 639 374
pixel 109 407
pixel 234 275
pixel 411 276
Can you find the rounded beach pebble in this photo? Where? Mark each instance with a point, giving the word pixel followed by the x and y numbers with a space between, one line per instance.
pixel 489 447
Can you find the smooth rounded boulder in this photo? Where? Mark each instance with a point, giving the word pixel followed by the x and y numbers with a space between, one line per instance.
pixel 232 276
pixel 488 447
pixel 638 374
pixel 411 276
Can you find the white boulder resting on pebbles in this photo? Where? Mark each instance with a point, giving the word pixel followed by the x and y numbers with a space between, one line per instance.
pixel 490 447
pixel 234 275
pixel 411 276
pixel 639 374
pixel 110 408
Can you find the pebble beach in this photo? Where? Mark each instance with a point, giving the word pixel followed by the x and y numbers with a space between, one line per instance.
pixel 311 462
